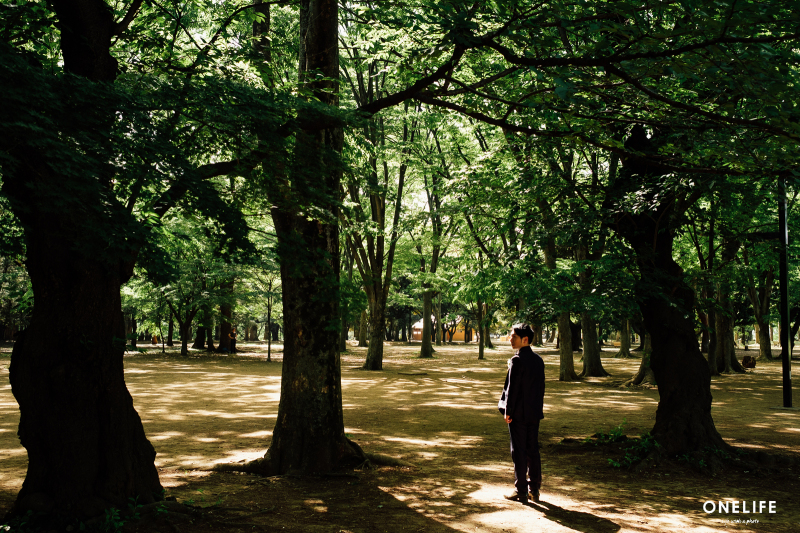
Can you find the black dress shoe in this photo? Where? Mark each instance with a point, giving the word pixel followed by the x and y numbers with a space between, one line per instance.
pixel 516 497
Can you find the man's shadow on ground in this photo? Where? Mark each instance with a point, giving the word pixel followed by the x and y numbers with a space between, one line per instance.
pixel 577 520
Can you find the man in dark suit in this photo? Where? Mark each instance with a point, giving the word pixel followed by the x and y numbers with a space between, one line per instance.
pixel 522 406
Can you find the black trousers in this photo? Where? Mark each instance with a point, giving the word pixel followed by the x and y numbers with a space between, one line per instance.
pixel 525 454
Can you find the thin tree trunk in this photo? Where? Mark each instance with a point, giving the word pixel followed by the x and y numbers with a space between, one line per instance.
pixel 439 319
pixel 480 328
pixel 171 330
pixel 427 349
pixel 566 370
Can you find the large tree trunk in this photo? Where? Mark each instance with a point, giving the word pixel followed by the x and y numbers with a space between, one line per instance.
pixel 725 353
pixel 309 431
pixel 427 349
pixel 760 299
pixel 199 338
pixel 624 341
pixel 486 334
pixel 566 371
pixel 375 351
pixel 210 336
pixel 592 364
pixel 225 326
pixel 645 373
pixel 362 329
pixel 764 342
pixel 683 418
pixel 86 446
pixel 725 356
pixel 537 335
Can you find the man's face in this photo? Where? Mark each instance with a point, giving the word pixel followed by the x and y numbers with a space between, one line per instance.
pixel 517 342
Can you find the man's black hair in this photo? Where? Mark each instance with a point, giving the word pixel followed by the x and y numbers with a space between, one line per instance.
pixel 524 330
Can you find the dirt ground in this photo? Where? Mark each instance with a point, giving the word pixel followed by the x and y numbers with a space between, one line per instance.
pixel 440 415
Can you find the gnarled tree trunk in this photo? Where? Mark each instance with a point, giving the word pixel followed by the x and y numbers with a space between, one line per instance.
pixel 683 418
pixel 86 446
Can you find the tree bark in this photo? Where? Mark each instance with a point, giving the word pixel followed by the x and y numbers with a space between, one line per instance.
pixel 624 341
pixel 481 340
pixel 309 431
pixel 537 335
pixel 426 351
pixel 171 330
pixel 86 446
pixel 199 338
pixel 683 418
pixel 566 370
pixel 362 329
pixel 374 359
pixel 592 364
pixel 725 353
pixel 210 335
pixel 760 299
pixel 645 373
pixel 439 319
pixel 225 326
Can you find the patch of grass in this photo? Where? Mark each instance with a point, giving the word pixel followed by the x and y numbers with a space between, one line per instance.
pixel 617 434
pixel 635 450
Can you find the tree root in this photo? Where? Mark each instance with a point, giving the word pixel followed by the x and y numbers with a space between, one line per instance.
pixel 263 467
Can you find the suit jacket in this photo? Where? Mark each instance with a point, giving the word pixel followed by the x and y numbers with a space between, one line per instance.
pixel 524 388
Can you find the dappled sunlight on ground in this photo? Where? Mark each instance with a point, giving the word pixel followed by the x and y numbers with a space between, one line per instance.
pixel 439 414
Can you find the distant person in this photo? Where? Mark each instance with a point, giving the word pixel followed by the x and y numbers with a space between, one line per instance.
pixel 232 337
pixel 522 404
